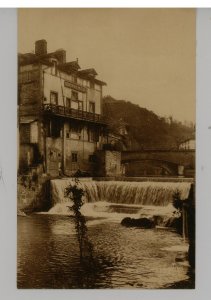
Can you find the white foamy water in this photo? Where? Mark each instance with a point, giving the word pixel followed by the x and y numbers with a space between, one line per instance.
pixel 115 200
pixel 122 192
pixel 112 212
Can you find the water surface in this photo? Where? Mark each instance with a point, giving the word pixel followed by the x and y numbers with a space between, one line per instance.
pixel 48 255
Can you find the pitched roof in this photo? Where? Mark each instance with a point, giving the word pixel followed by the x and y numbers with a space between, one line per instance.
pixel 70 67
pixel 90 72
pixel 67 67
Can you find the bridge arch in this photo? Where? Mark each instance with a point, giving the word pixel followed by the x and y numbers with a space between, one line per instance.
pixel 167 167
pixel 173 161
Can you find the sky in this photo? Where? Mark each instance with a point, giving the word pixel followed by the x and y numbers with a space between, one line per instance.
pixel 146 56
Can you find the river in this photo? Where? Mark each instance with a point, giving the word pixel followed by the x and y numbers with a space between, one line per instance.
pixel 48 253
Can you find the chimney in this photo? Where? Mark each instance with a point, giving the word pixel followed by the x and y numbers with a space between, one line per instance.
pixel 41 47
pixel 60 55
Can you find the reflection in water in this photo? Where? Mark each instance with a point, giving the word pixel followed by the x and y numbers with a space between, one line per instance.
pixel 89 264
pixel 75 194
pixel 48 255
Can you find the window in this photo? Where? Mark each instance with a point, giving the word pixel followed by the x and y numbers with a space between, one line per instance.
pixel 75 131
pixel 68 102
pixel 74 104
pixel 92 107
pixel 74 95
pixel 93 135
pixel 97 87
pixel 27 76
pixel 74 79
pixel 86 83
pixel 54 67
pixel 68 130
pixel 24 133
pixel 80 105
pixel 92 85
pixel 74 157
pixel 53 128
pixel 92 158
pixel 34 132
pixel 54 98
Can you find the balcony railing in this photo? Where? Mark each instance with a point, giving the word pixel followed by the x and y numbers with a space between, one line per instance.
pixel 60 110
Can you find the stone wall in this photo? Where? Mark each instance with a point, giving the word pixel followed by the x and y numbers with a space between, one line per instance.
pixel 108 163
pixel 112 163
pixel 29 92
pixel 33 193
pixel 53 155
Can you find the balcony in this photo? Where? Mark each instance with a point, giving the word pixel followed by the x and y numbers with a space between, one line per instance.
pixel 59 110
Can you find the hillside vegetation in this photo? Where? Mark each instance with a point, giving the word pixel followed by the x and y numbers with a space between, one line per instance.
pixel 145 130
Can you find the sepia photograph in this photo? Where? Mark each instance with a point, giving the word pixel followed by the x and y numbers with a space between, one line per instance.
pixel 106 134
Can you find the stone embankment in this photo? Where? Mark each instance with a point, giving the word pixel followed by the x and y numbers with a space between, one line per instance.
pixel 32 194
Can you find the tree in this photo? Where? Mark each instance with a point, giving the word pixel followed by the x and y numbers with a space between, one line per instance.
pixel 75 193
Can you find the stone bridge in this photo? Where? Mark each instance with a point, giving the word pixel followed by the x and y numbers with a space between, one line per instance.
pixel 175 162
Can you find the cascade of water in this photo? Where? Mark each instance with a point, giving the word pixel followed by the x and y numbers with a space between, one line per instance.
pixel 123 192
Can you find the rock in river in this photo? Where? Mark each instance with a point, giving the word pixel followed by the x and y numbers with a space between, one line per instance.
pixel 141 223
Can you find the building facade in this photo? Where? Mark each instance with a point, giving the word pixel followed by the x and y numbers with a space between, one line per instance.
pixel 189 144
pixel 61 123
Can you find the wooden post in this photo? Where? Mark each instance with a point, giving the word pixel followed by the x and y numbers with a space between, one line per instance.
pixel 184 223
pixel 181 171
pixel 64 147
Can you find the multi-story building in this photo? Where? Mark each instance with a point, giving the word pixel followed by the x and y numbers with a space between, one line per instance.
pixel 61 122
pixel 189 144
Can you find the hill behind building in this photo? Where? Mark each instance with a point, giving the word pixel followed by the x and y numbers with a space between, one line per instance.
pixel 143 128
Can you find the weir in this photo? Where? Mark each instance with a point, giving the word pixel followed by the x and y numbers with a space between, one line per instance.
pixel 122 192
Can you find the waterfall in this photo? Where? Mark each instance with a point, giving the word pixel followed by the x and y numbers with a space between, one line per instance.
pixel 122 192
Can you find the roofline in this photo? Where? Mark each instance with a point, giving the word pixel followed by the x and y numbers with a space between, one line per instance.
pixel 42 60
pixel 190 139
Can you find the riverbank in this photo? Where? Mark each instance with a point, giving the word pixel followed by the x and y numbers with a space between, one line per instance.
pixel 33 194
pixel 184 284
